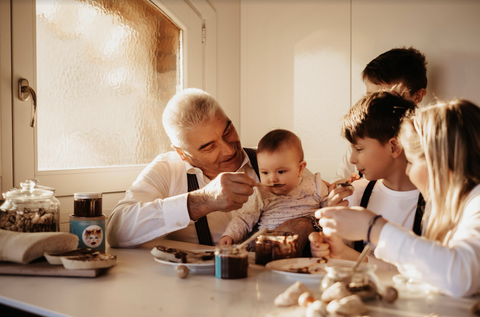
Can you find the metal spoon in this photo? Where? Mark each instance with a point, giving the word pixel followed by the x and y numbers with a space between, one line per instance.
pixel 268 185
pixel 365 251
pixel 253 237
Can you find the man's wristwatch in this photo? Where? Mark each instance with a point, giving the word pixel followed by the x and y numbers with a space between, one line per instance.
pixel 315 223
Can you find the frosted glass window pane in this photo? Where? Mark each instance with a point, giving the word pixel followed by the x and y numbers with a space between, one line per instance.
pixel 105 71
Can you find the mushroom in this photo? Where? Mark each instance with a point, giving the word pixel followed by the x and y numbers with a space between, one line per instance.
pixel 182 271
pixel 291 295
pixel 350 305
pixel 316 309
pixel 336 291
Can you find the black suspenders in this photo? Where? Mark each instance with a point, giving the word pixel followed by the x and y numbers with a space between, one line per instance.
pixel 417 222
pixel 203 231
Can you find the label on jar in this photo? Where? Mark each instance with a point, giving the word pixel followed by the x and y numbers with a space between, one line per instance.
pixel 90 232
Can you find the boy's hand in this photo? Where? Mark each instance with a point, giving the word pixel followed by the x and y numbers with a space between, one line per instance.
pixel 318 247
pixel 337 195
pixel 225 240
pixel 328 247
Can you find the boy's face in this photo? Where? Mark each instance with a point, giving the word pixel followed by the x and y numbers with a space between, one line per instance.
pixel 281 167
pixel 371 158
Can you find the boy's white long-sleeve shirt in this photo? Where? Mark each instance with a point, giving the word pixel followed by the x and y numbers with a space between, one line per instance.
pixel 453 269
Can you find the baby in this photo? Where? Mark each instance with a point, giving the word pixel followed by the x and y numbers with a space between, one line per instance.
pixel 281 164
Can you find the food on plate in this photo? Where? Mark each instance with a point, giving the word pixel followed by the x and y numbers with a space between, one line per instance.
pixel 312 268
pixel 95 260
pixel 180 256
pixel 291 295
pixel 390 294
pixel 350 305
pixel 336 291
pixel 316 309
pixel 306 299
pixel 182 271
pixel 24 247
pixel 56 258
pixel 169 254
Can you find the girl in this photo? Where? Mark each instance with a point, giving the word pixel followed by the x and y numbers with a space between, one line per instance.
pixel 442 146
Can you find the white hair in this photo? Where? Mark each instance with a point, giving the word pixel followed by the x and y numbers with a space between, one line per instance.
pixel 187 109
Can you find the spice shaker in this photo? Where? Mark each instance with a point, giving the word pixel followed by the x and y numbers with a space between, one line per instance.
pixel 88 221
pixel 31 208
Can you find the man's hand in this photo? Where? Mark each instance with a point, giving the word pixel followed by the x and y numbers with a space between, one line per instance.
pixel 225 240
pixel 227 192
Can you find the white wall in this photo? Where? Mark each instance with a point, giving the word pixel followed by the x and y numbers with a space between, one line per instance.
pixel 301 61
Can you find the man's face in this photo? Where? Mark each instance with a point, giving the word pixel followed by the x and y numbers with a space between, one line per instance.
pixel 214 147
pixel 282 167
pixel 400 88
pixel 371 158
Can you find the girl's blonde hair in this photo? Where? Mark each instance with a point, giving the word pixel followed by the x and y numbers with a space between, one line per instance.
pixel 446 136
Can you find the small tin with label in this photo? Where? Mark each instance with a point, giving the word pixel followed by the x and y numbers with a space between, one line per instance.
pixel 88 222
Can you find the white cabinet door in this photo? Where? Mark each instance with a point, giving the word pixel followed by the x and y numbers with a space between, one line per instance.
pixel 107 119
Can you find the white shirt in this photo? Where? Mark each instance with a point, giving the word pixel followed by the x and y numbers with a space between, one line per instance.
pixel 395 206
pixel 273 210
pixel 156 205
pixel 453 269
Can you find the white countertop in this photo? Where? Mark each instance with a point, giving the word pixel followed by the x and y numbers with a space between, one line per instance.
pixel 140 286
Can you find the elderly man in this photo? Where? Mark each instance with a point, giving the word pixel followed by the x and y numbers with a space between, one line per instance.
pixel 187 193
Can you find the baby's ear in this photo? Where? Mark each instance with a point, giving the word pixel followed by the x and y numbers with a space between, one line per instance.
pixel 301 167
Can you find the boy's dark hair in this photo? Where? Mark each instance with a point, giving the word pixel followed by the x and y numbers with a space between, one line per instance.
pixel 377 116
pixel 275 139
pixel 398 65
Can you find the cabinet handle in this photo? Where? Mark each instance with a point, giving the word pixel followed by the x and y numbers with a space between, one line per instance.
pixel 24 92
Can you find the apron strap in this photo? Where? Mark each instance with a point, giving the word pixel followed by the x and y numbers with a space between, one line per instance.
pixel 203 231
pixel 359 245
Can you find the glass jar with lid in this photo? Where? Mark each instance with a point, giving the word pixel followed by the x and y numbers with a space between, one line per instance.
pixel 31 208
pixel 362 282
pixel 276 246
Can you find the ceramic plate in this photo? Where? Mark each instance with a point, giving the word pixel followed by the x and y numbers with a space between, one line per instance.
pixel 199 267
pixel 291 267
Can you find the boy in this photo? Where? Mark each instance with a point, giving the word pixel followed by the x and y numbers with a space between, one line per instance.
pixel 371 127
pixel 404 68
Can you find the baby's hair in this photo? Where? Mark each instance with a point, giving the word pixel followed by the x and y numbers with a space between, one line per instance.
pixel 399 65
pixel 377 116
pixel 446 137
pixel 276 139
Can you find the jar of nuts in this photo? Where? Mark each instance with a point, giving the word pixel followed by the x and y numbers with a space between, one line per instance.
pixel 31 208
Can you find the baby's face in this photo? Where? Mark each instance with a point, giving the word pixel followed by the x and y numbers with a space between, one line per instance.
pixel 282 167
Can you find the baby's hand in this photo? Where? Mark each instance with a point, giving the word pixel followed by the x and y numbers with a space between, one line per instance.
pixel 225 240
pixel 318 247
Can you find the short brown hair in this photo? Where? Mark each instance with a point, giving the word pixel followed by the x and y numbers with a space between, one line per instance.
pixel 399 65
pixel 377 116
pixel 275 139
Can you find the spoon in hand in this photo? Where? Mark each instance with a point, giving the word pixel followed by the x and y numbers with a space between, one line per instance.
pixel 268 185
pixel 365 251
